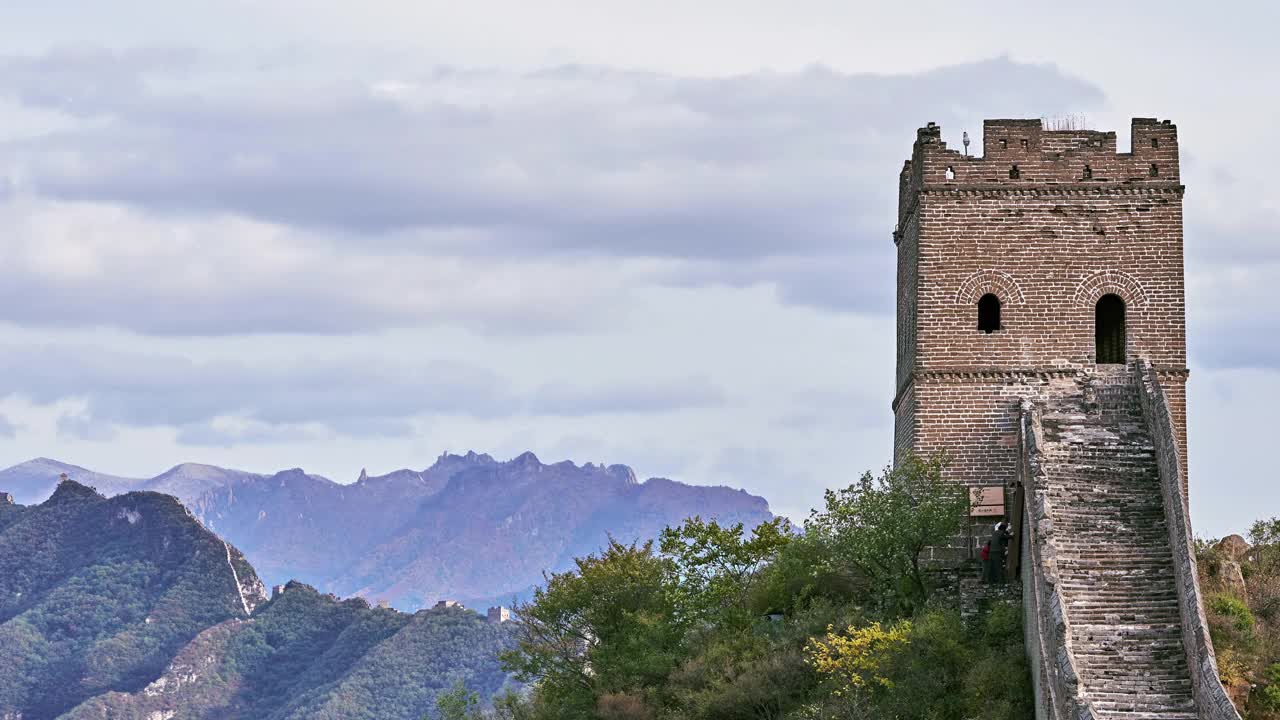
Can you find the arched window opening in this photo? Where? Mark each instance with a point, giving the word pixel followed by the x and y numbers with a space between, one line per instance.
pixel 989 313
pixel 1108 323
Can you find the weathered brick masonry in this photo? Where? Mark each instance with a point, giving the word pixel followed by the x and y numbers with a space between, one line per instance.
pixel 1048 221
pixel 1042 346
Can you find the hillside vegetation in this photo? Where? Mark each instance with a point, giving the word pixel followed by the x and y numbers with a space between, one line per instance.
pixel 98 595
pixel 837 619
pixel 308 656
pixel 128 608
pixel 1241 582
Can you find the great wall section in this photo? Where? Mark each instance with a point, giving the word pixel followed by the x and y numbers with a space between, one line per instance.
pixel 1042 348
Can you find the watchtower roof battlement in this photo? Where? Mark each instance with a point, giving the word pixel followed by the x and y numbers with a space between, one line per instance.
pixel 1022 155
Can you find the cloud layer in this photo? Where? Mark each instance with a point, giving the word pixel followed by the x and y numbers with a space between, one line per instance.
pixel 223 402
pixel 185 196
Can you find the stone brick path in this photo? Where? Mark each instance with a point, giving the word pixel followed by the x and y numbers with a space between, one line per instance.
pixel 1115 565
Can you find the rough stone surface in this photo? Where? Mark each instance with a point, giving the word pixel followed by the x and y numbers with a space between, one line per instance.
pixel 1211 698
pixel 1233 547
pixel 1114 560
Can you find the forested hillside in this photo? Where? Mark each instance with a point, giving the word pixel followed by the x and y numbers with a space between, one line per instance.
pixel 308 656
pixel 129 608
pixel 98 595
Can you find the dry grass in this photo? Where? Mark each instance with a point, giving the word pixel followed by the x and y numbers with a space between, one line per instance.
pixel 1073 121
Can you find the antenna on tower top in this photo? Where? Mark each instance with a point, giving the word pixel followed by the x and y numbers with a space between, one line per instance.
pixel 965 140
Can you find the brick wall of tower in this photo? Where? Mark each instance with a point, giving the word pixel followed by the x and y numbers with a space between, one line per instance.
pixel 1074 221
pixel 904 423
pixel 907 238
pixel 1048 255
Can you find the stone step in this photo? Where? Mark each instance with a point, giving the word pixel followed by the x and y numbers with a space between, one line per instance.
pixel 1078 585
pixel 1115 566
pixel 1111 541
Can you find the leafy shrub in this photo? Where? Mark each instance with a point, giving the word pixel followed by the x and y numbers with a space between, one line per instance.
pixel 852 659
pixel 1270 695
pixel 622 707
pixel 1235 610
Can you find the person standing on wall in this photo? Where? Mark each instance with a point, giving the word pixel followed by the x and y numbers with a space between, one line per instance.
pixel 999 553
pixel 988 563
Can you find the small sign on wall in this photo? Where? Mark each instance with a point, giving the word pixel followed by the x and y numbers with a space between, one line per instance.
pixel 986 501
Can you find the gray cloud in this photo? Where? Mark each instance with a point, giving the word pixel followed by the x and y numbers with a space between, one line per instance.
pixel 152 390
pixel 208 434
pixel 1231 317
pixel 83 427
pixel 574 158
pixel 536 182
pixel 7 428
pixel 223 403
pixel 641 396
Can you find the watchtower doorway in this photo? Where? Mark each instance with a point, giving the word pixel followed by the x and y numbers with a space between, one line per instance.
pixel 1108 330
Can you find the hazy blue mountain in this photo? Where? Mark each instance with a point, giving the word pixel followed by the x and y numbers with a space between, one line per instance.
pixel 32 482
pixel 189 481
pixel 468 527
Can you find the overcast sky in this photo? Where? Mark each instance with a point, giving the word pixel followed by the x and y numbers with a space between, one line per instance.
pixel 284 233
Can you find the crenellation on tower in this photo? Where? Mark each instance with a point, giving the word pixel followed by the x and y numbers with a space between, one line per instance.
pixel 1023 156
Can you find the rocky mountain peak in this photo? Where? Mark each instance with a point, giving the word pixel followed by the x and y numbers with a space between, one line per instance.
pixel 623 473
pixel 69 490
pixel 526 461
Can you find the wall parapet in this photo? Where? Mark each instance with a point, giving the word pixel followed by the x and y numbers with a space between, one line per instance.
pixel 1047 629
pixel 1212 700
pixel 1023 156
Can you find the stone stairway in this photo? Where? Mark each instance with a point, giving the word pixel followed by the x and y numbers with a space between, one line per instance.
pixel 1115 564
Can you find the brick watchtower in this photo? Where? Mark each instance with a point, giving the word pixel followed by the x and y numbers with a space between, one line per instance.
pixel 1051 256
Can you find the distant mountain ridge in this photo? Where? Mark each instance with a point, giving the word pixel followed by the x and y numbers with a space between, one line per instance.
pixel 468 527
pixel 33 481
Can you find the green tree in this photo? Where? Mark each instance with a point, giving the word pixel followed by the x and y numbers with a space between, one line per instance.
pixel 716 564
pixel 458 703
pixel 609 626
pixel 882 526
pixel 1264 536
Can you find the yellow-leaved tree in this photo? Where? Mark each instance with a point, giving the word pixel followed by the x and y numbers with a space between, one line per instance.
pixel 852 660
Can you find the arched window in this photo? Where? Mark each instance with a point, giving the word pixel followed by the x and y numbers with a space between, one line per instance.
pixel 989 313
pixel 1108 330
